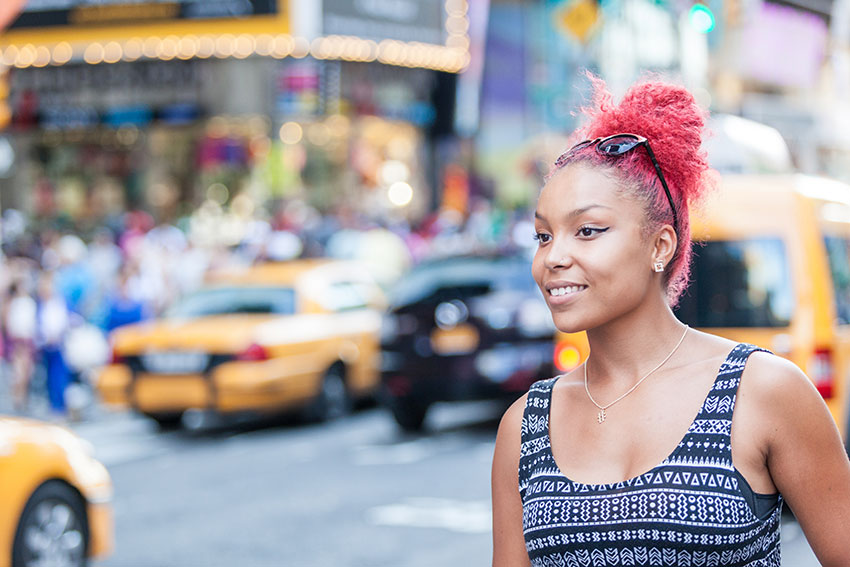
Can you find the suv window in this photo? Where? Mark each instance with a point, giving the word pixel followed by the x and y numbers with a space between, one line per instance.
pixel 477 275
pixel 838 252
pixel 739 283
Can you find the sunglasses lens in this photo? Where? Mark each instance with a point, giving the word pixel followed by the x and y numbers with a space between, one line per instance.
pixel 618 145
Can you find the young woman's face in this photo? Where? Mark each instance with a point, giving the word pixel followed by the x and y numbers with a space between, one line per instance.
pixel 594 260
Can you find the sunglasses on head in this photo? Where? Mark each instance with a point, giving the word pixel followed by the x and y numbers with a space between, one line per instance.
pixel 617 145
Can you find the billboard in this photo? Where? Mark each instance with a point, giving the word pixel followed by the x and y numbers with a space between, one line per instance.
pixel 411 33
pixel 48 13
pixel 766 54
pixel 47 23
pixel 404 20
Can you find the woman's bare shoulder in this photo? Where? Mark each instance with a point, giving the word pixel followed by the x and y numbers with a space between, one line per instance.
pixel 778 403
pixel 774 379
pixel 765 374
pixel 508 441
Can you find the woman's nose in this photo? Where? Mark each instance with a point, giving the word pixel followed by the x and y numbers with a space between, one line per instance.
pixel 558 255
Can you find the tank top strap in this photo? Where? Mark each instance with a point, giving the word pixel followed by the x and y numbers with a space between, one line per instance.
pixel 709 438
pixel 535 428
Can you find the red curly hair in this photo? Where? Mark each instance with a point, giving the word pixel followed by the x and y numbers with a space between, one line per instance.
pixel 670 119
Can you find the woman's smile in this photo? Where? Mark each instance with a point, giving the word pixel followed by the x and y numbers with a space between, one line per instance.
pixel 562 293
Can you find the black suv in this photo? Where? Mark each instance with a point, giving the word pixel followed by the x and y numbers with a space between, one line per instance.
pixel 463 328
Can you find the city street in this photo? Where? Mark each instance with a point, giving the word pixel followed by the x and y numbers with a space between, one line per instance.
pixel 250 206
pixel 353 493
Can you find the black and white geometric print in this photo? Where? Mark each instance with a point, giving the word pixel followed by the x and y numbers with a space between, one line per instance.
pixel 688 511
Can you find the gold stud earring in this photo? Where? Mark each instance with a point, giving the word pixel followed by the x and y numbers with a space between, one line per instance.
pixel 658 266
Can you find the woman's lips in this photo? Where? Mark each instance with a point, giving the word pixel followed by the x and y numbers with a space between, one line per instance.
pixel 561 294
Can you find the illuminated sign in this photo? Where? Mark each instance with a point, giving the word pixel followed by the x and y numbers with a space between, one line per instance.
pixel 429 34
pixel 403 20
pixel 48 13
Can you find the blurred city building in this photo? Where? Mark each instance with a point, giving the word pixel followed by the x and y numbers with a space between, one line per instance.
pixel 785 64
pixel 229 104
pixel 392 110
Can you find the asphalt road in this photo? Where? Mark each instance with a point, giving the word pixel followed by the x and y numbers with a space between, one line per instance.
pixel 355 493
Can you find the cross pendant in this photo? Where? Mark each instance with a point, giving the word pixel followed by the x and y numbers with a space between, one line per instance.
pixel 600 417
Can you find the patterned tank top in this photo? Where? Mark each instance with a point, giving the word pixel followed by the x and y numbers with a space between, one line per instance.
pixel 694 509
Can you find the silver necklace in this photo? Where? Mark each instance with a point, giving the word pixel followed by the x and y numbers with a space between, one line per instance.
pixel 600 417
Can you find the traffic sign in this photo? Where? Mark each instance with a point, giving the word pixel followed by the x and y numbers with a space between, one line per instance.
pixel 577 18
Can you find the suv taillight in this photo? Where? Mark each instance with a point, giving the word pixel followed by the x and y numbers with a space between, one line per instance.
pixel 822 371
pixel 254 352
pixel 567 356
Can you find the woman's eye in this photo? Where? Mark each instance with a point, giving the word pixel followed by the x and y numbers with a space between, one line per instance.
pixel 588 231
pixel 542 237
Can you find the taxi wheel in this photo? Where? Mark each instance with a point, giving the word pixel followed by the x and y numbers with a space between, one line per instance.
pixel 53 529
pixel 333 400
pixel 409 413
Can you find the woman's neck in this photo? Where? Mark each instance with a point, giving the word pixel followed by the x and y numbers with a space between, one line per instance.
pixel 628 347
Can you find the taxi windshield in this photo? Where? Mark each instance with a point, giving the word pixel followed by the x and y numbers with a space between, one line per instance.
pixel 235 300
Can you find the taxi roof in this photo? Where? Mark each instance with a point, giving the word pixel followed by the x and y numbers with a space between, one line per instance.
pixel 270 273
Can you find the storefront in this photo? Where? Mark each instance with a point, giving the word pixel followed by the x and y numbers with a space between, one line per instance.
pixel 190 108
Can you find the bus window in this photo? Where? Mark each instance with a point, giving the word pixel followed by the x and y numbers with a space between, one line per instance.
pixel 739 283
pixel 838 252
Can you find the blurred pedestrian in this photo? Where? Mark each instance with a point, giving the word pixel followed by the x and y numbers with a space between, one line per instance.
pixel 74 279
pixel 20 324
pixel 125 304
pixel 576 473
pixel 104 260
pixel 53 326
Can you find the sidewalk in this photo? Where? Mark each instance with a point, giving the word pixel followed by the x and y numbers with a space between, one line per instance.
pixel 39 407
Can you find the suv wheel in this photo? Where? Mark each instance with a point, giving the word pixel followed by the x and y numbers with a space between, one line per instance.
pixel 410 413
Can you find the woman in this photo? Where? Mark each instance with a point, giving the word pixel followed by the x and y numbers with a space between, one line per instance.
pixel 608 465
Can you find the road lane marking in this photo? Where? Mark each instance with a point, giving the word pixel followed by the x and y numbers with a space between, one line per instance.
pixel 396 454
pixel 470 517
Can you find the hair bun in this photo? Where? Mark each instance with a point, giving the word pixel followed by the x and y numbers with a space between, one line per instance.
pixel 669 117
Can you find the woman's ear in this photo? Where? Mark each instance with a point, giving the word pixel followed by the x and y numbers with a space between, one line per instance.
pixel 665 245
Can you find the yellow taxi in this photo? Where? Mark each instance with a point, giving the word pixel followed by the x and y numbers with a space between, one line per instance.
pixel 301 335
pixel 772 268
pixel 56 498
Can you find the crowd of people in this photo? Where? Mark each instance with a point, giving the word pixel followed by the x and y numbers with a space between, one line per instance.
pixel 63 291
